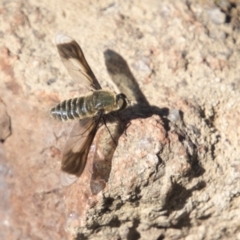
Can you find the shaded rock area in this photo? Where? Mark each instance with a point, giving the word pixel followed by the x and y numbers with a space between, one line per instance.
pixel 167 167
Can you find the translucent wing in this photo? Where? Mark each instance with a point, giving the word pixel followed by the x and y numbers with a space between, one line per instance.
pixel 73 58
pixel 77 148
pixel 67 179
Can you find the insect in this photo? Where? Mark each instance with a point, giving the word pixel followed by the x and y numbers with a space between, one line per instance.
pixel 89 110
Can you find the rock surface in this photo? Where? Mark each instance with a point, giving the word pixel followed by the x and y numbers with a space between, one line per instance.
pixel 175 170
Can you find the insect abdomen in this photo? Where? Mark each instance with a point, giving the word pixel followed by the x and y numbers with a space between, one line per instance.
pixel 75 108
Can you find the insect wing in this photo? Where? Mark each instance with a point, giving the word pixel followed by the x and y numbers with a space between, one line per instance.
pixel 73 58
pixel 67 179
pixel 77 148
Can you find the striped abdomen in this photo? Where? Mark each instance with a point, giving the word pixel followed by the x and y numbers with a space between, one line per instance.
pixel 75 108
pixel 89 106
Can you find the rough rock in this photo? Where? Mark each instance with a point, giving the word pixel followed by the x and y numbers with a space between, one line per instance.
pixel 170 168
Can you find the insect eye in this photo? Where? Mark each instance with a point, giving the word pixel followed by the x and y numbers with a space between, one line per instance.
pixel 122 101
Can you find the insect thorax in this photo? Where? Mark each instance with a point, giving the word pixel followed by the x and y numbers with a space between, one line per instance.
pixel 102 100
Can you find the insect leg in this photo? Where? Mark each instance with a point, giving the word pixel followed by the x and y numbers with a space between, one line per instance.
pixel 105 123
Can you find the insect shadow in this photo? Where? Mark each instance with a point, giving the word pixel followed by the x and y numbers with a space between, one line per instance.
pixel 121 75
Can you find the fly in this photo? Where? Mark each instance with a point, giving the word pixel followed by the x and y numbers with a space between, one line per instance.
pixel 88 110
